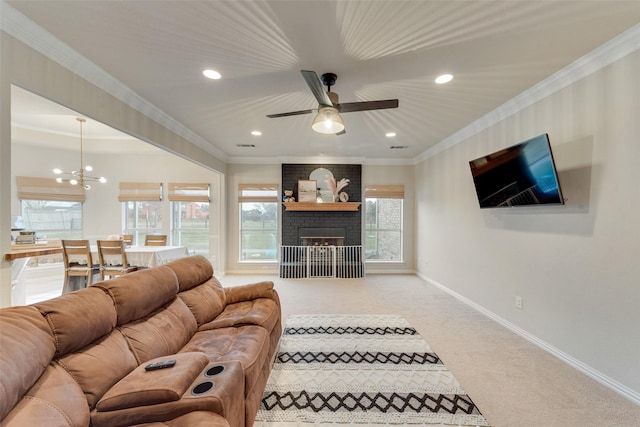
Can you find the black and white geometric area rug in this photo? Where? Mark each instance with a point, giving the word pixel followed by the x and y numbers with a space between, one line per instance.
pixel 361 370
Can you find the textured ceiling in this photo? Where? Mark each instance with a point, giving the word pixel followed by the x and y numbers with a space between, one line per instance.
pixel 379 50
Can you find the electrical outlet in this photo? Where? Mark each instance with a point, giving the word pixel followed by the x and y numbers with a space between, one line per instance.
pixel 519 302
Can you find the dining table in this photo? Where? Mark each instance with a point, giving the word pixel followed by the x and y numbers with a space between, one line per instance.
pixel 148 256
pixel 141 256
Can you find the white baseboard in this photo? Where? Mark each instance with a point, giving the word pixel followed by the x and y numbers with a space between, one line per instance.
pixel 603 379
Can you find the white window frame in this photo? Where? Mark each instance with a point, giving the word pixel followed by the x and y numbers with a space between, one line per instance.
pixel 378 193
pixel 258 194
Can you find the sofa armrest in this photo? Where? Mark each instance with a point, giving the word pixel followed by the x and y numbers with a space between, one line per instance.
pixel 249 292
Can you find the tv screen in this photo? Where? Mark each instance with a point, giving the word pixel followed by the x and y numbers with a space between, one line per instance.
pixel 521 175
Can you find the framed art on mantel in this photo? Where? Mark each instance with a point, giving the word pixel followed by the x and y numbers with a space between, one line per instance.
pixel 307 191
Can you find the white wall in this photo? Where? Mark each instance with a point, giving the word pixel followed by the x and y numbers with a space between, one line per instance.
pixel 102 212
pixel 575 266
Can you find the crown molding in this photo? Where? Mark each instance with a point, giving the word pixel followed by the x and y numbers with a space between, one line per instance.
pixel 613 50
pixel 28 32
pixel 321 160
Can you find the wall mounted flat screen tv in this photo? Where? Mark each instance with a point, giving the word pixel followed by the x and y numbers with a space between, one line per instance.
pixel 521 175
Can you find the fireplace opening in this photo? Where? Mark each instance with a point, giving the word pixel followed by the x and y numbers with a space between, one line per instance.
pixel 321 236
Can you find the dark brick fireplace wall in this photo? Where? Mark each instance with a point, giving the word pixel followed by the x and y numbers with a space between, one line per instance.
pixel 351 222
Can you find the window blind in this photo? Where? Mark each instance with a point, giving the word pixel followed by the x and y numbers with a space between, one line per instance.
pixel 384 191
pixel 34 188
pixel 257 193
pixel 140 192
pixel 189 192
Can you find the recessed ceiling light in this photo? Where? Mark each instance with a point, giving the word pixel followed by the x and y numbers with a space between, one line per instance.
pixel 445 78
pixel 256 133
pixel 390 134
pixel 211 74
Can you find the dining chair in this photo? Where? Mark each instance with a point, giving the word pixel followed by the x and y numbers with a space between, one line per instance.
pixel 113 259
pixel 127 239
pixel 78 262
pixel 155 240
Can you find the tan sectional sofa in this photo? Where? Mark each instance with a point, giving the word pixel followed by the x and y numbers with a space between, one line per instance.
pixel 78 360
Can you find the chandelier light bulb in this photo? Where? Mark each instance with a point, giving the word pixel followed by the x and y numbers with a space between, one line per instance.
pixel 78 176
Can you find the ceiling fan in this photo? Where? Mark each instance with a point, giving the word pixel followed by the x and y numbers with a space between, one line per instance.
pixel 328 119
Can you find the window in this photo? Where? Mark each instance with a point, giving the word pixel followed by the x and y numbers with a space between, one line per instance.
pixel 258 222
pixel 383 222
pixel 142 205
pixel 52 219
pixel 53 210
pixel 190 216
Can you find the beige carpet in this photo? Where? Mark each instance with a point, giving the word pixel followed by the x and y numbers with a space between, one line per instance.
pixel 515 383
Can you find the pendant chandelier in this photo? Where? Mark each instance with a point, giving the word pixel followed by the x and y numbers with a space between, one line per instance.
pixel 78 177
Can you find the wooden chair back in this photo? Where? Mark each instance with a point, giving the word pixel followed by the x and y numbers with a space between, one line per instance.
pixel 127 239
pixel 155 240
pixel 113 259
pixel 78 262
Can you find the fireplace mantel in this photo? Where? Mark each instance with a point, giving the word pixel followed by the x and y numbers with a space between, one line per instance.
pixel 303 206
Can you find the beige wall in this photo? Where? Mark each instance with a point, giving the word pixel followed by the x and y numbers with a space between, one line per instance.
pixel 575 266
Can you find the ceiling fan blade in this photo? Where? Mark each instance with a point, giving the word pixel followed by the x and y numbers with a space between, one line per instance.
pixel 314 83
pixel 342 132
pixel 349 107
pixel 291 113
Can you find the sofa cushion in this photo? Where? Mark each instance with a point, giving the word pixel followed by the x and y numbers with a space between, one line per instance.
pixel 205 301
pixel 192 419
pixel 78 318
pixel 99 366
pixel 261 312
pixel 26 348
pixel 248 345
pixel 141 387
pixel 54 400
pixel 191 271
pixel 251 291
pixel 163 332
pixel 140 293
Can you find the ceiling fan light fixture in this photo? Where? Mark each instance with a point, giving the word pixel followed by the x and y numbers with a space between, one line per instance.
pixel 328 121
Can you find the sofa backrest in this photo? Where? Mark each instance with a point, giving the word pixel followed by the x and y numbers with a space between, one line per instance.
pixel 152 319
pixel 78 318
pixel 140 293
pixel 198 288
pixel 206 301
pixel 26 348
pixel 87 344
pixel 191 271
